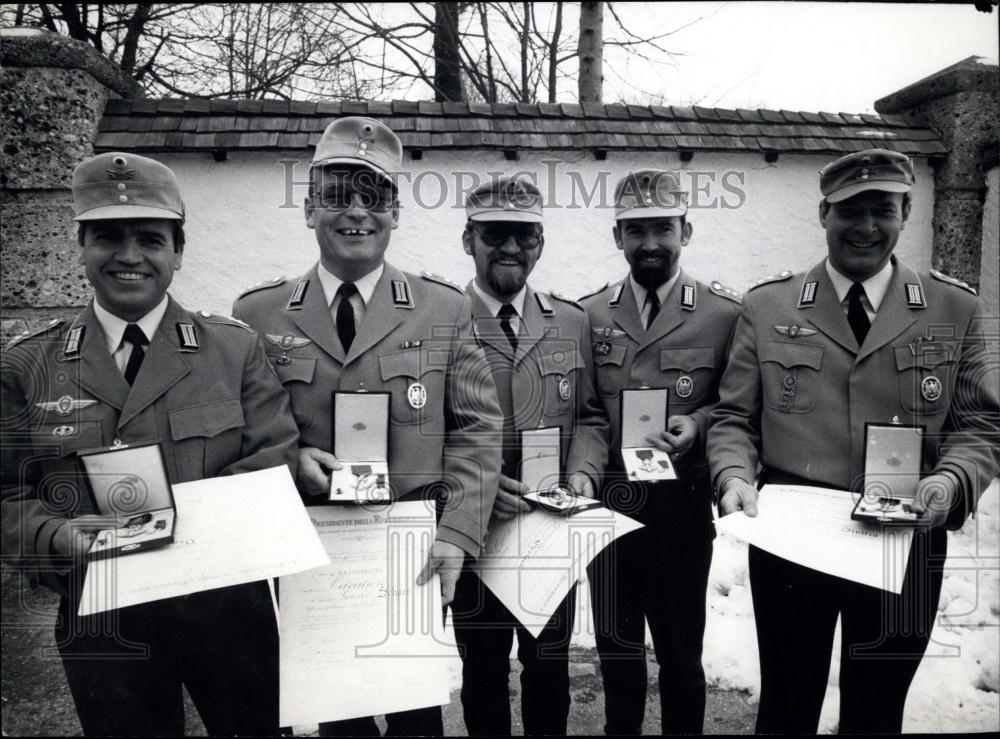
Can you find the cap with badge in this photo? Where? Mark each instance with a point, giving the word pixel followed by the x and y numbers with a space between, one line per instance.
pixel 505 199
pixel 649 193
pixel 872 169
pixel 119 185
pixel 360 141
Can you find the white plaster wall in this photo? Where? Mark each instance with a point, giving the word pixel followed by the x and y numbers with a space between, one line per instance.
pixel 989 283
pixel 245 224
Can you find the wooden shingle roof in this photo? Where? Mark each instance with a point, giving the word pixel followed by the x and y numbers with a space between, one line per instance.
pixel 212 125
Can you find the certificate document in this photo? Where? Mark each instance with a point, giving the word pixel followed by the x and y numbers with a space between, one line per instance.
pixel 359 637
pixel 532 561
pixel 812 527
pixel 230 530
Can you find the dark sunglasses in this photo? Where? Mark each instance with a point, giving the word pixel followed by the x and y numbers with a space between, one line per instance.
pixel 371 198
pixel 495 235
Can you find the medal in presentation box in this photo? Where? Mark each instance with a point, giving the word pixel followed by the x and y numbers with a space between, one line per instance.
pixel 643 414
pixel 361 445
pixel 129 485
pixel 541 452
pixel 893 456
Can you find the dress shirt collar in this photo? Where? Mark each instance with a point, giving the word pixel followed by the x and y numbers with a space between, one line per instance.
pixel 494 305
pixel 875 286
pixel 366 285
pixel 661 292
pixel 114 327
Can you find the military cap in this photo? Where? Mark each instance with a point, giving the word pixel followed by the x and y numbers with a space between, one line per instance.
pixel 118 185
pixel 360 141
pixel 872 169
pixel 505 199
pixel 649 193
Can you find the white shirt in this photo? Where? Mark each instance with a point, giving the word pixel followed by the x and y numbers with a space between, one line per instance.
pixel 366 288
pixel 661 293
pixel 494 305
pixel 875 288
pixel 114 330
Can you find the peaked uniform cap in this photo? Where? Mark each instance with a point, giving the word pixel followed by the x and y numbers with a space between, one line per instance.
pixel 649 193
pixel 360 141
pixel 505 199
pixel 872 169
pixel 120 185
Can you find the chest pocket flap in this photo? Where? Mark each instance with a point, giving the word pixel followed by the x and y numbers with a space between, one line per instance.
pixel 615 355
pixel 687 359
pixel 925 356
pixel 294 369
pixel 560 362
pixel 790 355
pixel 413 363
pixel 207 420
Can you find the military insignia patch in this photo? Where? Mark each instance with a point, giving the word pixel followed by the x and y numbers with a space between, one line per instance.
pixel 794 331
pixel 298 296
pixel 71 349
pixel 607 333
pixel 915 295
pixel 543 303
pixel 684 386
pixel 616 296
pixel 121 169
pixel 187 336
pixel 930 388
pixel 807 297
pixel 62 431
pixel 564 389
pixel 687 297
pixel 401 293
pixel 416 396
pixel 65 405
pixel 287 341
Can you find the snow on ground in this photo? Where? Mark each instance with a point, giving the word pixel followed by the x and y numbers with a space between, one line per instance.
pixel 956 689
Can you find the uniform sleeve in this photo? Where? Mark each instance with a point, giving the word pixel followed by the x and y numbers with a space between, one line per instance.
pixel 472 445
pixel 270 436
pixel 702 416
pixel 588 448
pixel 733 441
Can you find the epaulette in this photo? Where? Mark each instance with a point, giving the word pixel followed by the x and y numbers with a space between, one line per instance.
pixel 441 281
pixel 565 299
pixel 222 320
pixel 780 277
pixel 263 286
pixel 25 335
pixel 725 292
pixel 601 289
pixel 953 281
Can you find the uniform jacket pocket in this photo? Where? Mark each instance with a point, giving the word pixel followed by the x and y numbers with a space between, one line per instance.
pixel 206 438
pixel 925 372
pixel 688 373
pixel 416 379
pixel 789 373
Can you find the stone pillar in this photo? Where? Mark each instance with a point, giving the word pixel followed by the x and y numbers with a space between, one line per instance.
pixel 52 95
pixel 963 103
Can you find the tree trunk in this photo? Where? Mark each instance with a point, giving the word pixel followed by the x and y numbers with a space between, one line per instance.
pixel 447 67
pixel 554 52
pixel 136 26
pixel 591 52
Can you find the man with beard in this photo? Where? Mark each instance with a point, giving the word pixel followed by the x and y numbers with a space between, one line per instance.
pixel 859 338
pixel 356 323
pixel 657 328
pixel 538 347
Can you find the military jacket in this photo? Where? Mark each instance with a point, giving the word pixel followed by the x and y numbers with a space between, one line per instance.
pixel 552 380
pixel 415 341
pixel 204 392
pixel 799 390
pixel 684 350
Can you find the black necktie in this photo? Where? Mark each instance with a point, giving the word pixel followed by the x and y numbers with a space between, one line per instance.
pixel 856 315
pixel 654 307
pixel 506 313
pixel 345 315
pixel 134 336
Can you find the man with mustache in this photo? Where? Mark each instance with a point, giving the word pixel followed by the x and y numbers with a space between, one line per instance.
pixel 657 328
pixel 860 337
pixel 538 347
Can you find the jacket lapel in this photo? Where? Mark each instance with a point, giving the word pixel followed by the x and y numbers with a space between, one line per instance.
pixel 98 373
pixel 315 321
pixel 381 314
pixel 532 326
pixel 486 326
pixel 894 314
pixel 826 313
pixel 670 316
pixel 626 316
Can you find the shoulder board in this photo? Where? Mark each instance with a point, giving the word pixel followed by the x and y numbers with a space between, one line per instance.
pixel 953 281
pixel 207 317
pixel 592 293
pixel 780 277
pixel 565 299
pixel 430 276
pixel 722 291
pixel 24 336
pixel 263 286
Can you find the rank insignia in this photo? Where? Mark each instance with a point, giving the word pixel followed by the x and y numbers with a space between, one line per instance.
pixel 414 344
pixel 65 405
pixel 915 295
pixel 71 349
pixel 687 297
pixel 401 293
pixel 807 298
pixel 187 337
pixel 616 296
pixel 607 333
pixel 416 396
pixel 794 331
pixel 930 388
pixel 684 386
pixel 602 348
pixel 543 304
pixel 564 389
pixel 287 341
pixel 298 296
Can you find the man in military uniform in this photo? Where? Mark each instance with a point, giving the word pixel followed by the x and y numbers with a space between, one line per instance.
pixel 355 322
pixel 135 367
pixel 657 328
pixel 859 338
pixel 538 346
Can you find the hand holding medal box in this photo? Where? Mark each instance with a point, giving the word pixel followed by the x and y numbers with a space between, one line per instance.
pixel 361 446
pixel 541 452
pixel 644 414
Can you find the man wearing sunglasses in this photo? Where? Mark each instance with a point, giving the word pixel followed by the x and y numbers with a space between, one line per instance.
pixel 657 328
pixel 355 322
pixel 538 347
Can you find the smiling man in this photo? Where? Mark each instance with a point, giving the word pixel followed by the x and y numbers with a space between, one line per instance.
pixel 657 328
pixel 355 322
pixel 133 368
pixel 859 338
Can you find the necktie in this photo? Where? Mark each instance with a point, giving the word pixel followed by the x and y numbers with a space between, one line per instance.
pixel 134 335
pixel 345 315
pixel 856 315
pixel 506 313
pixel 654 307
